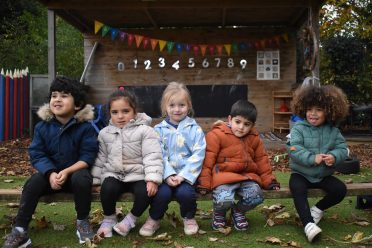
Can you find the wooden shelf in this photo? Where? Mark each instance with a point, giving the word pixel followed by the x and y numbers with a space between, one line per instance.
pixel 281 118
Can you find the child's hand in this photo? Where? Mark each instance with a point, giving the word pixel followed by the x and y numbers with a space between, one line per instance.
pixel 62 177
pixel 54 184
pixel 179 179
pixel 171 181
pixel 328 159
pixel 318 158
pixel 152 188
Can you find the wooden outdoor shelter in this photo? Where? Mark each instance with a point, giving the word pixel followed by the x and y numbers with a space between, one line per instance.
pixel 229 36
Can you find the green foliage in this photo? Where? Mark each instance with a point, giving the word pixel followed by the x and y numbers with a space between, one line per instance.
pixel 346 35
pixel 24 41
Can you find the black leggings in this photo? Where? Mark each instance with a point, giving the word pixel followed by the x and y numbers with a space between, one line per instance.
pixel 112 188
pixel 298 184
pixel 79 183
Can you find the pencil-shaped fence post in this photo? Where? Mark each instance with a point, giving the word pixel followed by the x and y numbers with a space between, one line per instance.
pixel 2 105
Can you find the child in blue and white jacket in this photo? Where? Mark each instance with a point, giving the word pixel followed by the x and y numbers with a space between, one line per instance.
pixel 183 147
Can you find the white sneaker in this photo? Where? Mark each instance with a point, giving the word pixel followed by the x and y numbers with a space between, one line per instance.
pixel 150 227
pixel 312 231
pixel 190 226
pixel 106 227
pixel 316 213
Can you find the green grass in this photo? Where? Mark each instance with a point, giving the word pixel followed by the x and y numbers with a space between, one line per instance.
pixel 336 224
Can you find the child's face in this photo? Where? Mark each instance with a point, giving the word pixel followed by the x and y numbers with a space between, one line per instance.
pixel 177 108
pixel 121 112
pixel 315 116
pixel 240 126
pixel 62 106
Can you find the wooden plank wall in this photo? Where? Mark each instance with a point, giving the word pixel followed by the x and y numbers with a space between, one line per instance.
pixel 103 76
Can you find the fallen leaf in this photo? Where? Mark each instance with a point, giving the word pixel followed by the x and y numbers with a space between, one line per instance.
pixel 161 237
pixel 273 240
pixel 362 223
pixel 212 239
pixel 8 180
pixel 89 243
pixel 357 237
pixel 349 181
pixel 41 223
pixel 226 231
pixel 173 219
pixel 12 205
pixel 293 244
pixel 202 232
pixel 58 227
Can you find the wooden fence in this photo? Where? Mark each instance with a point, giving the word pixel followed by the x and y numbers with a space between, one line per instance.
pixel 14 104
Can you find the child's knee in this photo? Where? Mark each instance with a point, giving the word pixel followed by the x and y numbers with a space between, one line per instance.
pixel 223 205
pixel 253 200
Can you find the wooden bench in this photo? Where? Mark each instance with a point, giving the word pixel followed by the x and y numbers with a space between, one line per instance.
pixel 353 189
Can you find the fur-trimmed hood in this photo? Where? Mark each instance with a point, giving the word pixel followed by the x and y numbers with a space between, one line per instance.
pixel 86 114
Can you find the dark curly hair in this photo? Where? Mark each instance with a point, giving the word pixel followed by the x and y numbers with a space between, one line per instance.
pixel 72 86
pixel 328 97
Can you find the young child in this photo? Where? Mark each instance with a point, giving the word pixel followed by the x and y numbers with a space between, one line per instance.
pixel 129 160
pixel 236 163
pixel 183 147
pixel 63 147
pixel 315 149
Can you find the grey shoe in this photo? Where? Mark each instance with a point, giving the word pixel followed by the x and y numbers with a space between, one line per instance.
pixel 17 239
pixel 84 230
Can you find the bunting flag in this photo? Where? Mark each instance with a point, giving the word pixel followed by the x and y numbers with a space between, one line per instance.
pixel 235 47
pixel 105 30
pixel 228 48
pixel 154 43
pixel 162 44
pixel 97 26
pixel 203 48
pixel 139 39
pixel 170 45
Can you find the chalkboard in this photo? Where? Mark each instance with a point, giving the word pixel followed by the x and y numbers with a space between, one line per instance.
pixel 207 100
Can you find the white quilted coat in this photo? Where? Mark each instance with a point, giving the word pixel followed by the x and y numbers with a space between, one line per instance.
pixel 129 154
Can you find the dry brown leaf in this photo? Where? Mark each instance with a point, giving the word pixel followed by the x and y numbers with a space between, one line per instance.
pixel 89 243
pixel 226 231
pixel 173 219
pixel 8 180
pixel 273 240
pixel 41 223
pixel 12 205
pixel 293 244
pixel 212 239
pixel 358 236
pixel 161 237
pixel 200 231
pixel 362 223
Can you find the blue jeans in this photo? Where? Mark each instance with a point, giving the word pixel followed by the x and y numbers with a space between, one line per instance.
pixel 184 194
pixel 249 192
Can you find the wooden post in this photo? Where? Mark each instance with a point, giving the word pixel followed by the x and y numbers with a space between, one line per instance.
pixel 315 8
pixel 51 45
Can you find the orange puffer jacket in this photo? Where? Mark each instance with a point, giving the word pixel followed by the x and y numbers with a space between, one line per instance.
pixel 230 159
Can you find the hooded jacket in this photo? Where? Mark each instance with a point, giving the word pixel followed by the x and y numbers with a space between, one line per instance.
pixel 306 141
pixel 183 148
pixel 230 159
pixel 55 146
pixel 129 154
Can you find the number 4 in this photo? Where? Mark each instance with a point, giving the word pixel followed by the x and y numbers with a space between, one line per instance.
pixel 176 65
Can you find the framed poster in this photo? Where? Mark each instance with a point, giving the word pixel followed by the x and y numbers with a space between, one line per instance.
pixel 268 65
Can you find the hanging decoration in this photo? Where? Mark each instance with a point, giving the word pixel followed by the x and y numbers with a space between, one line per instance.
pixel 258 44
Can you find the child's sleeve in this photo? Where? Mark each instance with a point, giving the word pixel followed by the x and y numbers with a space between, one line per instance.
pixel 264 167
pixel 297 151
pixel 340 151
pixel 211 153
pixel 39 157
pixel 88 145
pixel 100 161
pixel 194 163
pixel 152 157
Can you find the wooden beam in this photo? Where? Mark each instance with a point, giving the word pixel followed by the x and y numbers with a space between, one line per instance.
pixel 51 45
pixel 120 5
pixel 154 23
pixel 354 189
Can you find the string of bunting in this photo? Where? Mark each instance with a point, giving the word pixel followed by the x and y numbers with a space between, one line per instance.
pixel 146 42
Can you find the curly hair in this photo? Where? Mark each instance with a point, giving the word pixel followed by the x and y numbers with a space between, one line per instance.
pixel 328 97
pixel 72 86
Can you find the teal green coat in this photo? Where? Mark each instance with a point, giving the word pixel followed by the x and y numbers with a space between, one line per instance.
pixel 306 141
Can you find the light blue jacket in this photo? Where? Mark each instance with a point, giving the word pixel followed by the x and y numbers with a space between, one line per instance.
pixel 183 149
pixel 306 141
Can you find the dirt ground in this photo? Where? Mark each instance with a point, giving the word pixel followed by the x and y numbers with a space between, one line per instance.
pixel 14 160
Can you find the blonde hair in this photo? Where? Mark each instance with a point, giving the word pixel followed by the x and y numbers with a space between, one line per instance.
pixel 175 88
